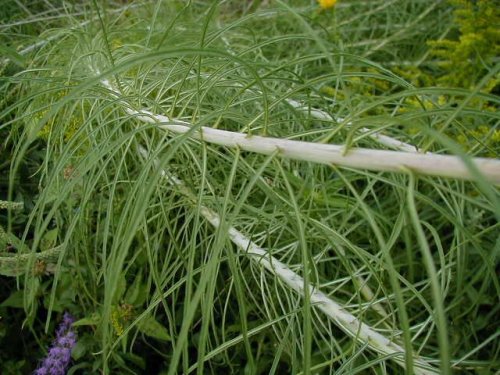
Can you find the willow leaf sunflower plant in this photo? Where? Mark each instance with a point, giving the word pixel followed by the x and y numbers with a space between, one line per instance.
pixel 251 191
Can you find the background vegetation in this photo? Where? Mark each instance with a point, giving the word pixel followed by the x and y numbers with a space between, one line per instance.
pixel 94 220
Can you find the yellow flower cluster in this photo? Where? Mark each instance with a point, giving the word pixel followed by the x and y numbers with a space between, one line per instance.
pixel 422 103
pixel 326 4
pixel 482 134
pixel 465 58
pixel 120 316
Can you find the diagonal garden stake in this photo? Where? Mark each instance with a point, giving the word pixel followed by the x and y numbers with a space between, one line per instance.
pixel 330 154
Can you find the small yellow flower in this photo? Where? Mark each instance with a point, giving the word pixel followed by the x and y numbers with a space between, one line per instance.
pixel 325 4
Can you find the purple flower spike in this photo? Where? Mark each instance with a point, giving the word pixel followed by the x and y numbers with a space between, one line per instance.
pixel 59 355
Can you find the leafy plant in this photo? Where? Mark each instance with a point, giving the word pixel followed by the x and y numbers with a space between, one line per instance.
pixel 472 51
pixel 253 188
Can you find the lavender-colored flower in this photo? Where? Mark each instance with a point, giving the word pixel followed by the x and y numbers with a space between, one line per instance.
pixel 59 355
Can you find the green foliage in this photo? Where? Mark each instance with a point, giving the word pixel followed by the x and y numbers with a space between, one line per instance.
pixel 17 262
pixel 155 288
pixel 473 50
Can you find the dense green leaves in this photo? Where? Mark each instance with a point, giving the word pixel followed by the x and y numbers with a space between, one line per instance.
pixel 118 215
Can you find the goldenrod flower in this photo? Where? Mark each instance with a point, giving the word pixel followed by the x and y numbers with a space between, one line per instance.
pixel 325 4
pixel 116 321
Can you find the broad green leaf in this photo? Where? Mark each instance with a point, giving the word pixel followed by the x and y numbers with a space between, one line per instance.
pixel 49 239
pixel 120 289
pixel 82 346
pixel 14 300
pixel 91 320
pixel 135 359
pixel 134 289
pixel 152 328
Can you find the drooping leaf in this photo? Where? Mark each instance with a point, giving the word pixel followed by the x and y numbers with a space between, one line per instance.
pixel 152 328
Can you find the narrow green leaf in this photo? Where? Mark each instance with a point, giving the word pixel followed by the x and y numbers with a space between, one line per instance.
pixel 12 55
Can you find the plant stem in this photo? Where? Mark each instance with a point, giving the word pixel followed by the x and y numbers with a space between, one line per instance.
pixel 362 158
